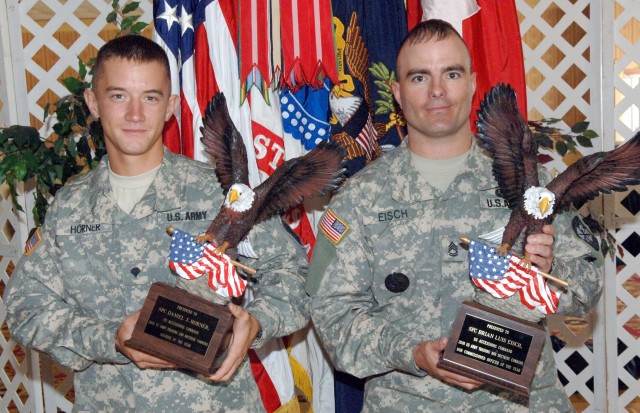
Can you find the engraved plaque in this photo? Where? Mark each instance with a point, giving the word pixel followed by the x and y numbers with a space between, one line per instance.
pixel 493 347
pixel 183 328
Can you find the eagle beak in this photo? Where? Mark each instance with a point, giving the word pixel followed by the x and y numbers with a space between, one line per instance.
pixel 233 196
pixel 544 205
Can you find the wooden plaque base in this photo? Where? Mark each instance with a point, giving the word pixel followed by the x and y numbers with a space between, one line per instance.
pixel 493 347
pixel 183 328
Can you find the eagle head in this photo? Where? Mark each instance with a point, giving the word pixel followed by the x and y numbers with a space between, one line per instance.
pixel 239 198
pixel 539 202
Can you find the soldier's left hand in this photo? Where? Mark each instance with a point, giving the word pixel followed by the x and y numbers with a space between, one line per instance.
pixel 140 358
pixel 540 248
pixel 245 330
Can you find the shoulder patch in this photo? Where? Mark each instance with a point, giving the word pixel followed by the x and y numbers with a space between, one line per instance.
pixel 333 227
pixel 583 232
pixel 33 241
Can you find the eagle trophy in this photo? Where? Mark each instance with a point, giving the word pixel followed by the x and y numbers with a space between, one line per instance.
pixel 504 133
pixel 314 174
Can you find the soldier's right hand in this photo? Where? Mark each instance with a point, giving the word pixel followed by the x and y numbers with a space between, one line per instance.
pixel 426 355
pixel 140 358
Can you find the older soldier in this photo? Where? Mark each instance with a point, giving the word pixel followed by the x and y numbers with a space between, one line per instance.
pixel 388 273
pixel 77 293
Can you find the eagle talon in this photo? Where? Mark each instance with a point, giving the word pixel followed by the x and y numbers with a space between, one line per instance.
pixel 201 239
pixel 503 249
pixel 526 261
pixel 222 248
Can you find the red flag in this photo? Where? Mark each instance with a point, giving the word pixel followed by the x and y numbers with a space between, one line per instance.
pixel 493 37
pixel 414 13
pixel 254 45
pixel 307 43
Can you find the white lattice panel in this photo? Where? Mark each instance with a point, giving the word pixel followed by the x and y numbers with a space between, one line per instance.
pixel 561 46
pixel 20 392
pixel 558 45
pixel 623 293
pixel 55 34
pixel 52 35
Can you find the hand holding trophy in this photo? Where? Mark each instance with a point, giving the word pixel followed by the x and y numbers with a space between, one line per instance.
pixel 485 343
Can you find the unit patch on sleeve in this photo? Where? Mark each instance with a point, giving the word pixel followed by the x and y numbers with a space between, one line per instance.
pixel 333 227
pixel 33 241
pixel 583 232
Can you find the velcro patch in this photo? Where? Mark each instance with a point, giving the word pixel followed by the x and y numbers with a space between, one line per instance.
pixel 33 241
pixel 333 227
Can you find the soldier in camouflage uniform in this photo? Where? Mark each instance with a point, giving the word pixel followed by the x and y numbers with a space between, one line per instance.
pixel 388 272
pixel 77 293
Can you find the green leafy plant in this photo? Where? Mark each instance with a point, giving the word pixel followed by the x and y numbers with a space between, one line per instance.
pixel 126 17
pixel 383 79
pixel 77 142
pixel 553 138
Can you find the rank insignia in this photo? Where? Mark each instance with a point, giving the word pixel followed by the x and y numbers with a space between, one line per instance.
pixel 452 250
pixel 333 227
pixel 33 241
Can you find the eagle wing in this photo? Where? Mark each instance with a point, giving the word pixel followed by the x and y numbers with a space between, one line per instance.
pixel 503 132
pixel 314 174
pixel 602 172
pixel 357 56
pixel 224 143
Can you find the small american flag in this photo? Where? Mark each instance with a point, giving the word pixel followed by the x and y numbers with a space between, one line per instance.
pixel 538 295
pixel 499 276
pixel 191 260
pixel 504 276
pixel 333 227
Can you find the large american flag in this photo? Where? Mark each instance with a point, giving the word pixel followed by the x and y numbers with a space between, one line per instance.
pixel 175 24
pixel 191 260
pixel 504 276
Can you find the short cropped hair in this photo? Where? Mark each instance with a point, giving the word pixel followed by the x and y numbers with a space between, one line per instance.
pixel 429 29
pixel 131 47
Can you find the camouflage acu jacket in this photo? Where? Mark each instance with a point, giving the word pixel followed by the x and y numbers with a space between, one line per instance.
pixel 94 266
pixel 388 272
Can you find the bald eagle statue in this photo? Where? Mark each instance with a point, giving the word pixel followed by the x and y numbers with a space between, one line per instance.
pixel 504 133
pixel 314 174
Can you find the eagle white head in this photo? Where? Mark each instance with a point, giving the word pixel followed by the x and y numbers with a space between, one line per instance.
pixel 239 198
pixel 539 202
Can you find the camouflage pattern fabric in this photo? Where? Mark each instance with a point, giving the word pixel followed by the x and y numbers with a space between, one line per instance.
pixel 392 273
pixel 95 265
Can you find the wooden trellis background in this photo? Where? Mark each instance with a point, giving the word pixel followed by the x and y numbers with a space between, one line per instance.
pixel 582 63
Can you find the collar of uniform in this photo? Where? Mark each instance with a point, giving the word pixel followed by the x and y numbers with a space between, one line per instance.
pixel 171 194
pixel 105 208
pixel 475 175
pixel 409 186
pixel 103 203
